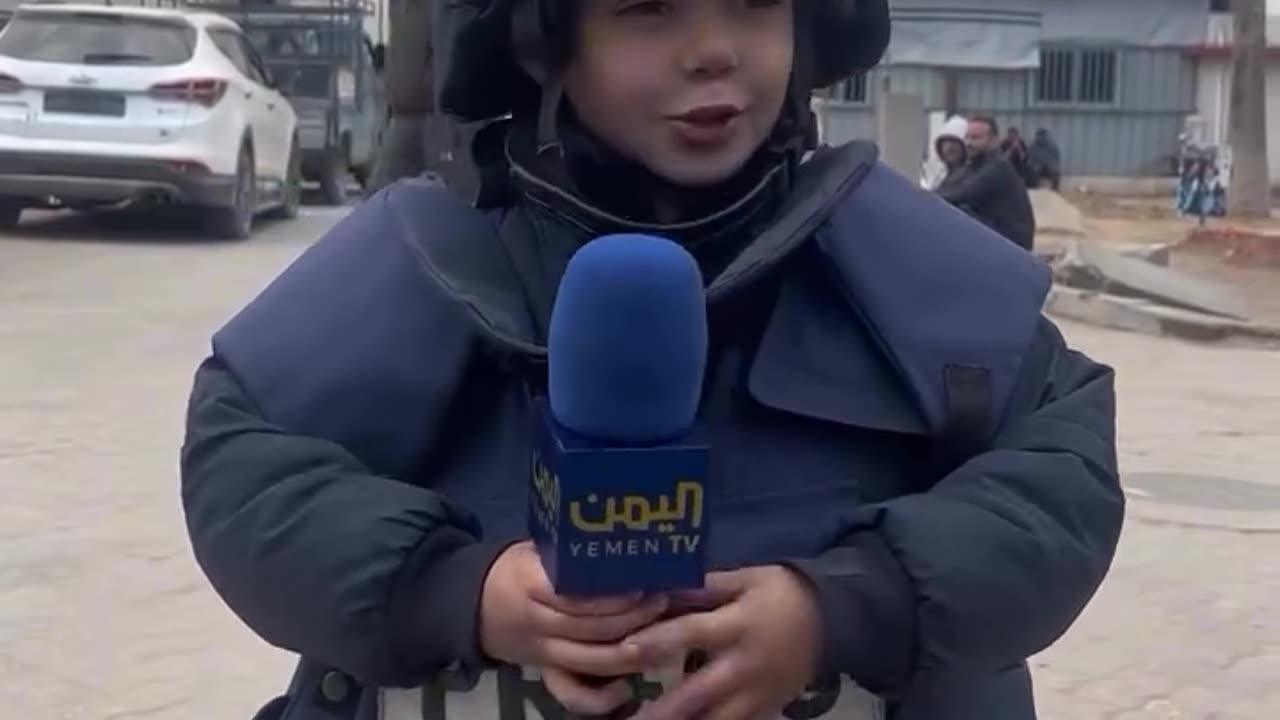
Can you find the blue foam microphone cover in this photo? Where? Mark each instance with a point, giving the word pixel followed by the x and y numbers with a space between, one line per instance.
pixel 628 341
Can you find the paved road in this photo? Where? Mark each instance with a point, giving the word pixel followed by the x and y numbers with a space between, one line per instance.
pixel 103 614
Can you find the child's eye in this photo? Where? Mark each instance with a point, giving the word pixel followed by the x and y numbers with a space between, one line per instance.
pixel 645 7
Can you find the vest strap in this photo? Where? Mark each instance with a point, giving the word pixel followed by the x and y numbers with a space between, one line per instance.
pixel 970 418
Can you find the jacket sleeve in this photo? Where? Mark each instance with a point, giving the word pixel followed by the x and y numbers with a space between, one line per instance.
pixel 317 555
pixel 997 560
pixel 976 187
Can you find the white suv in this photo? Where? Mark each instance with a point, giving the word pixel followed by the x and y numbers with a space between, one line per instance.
pixel 103 105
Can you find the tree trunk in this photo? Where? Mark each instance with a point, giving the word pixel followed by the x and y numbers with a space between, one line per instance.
pixel 409 94
pixel 1250 190
pixel 408 73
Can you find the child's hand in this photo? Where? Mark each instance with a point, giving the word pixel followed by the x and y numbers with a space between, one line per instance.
pixel 763 639
pixel 523 622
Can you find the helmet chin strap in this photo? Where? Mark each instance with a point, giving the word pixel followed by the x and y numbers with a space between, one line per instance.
pixel 549 115
pixel 529 42
pixel 804 137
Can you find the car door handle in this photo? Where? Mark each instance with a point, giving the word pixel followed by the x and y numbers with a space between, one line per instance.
pixel 248 95
pixel 271 106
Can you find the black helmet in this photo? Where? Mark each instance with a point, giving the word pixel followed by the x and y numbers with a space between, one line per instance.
pixel 478 77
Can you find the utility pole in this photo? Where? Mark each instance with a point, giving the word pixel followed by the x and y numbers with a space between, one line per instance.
pixel 417 137
pixel 407 79
pixel 1249 195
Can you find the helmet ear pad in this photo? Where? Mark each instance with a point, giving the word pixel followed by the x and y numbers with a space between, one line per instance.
pixel 849 38
pixel 542 35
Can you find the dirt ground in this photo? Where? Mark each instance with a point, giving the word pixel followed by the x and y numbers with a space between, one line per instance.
pixel 1131 220
pixel 1153 221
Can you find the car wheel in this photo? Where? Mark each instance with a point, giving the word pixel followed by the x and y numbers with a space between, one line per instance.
pixel 236 222
pixel 291 193
pixel 333 180
pixel 361 176
pixel 10 214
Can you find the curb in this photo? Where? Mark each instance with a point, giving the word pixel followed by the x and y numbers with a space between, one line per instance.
pixel 1144 316
pixel 1239 246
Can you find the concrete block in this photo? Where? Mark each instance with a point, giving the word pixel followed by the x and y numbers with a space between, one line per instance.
pixel 1141 316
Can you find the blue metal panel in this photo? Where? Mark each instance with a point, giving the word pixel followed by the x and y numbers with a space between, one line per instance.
pixel 992 91
pixel 845 122
pixel 924 81
pixel 1106 143
pixel 1156 80
pixel 1135 135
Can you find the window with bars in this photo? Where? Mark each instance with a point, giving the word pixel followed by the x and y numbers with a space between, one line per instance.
pixel 853 90
pixel 1076 76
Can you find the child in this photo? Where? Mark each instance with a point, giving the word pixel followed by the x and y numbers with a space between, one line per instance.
pixel 914 479
pixel 950 154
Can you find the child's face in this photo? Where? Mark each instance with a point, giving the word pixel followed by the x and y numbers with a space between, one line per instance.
pixel 688 88
pixel 951 151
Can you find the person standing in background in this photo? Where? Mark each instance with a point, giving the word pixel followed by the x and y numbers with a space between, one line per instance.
pixel 1046 160
pixel 1015 149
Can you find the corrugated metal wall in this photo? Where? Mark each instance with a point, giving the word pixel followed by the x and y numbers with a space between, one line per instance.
pixel 1137 135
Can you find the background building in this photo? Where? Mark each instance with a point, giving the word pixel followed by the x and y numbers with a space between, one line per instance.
pixel 1212 116
pixel 1113 82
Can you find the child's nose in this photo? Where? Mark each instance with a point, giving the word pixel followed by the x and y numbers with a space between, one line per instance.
pixel 712 49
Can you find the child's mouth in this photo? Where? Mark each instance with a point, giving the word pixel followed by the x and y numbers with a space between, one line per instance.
pixel 707 125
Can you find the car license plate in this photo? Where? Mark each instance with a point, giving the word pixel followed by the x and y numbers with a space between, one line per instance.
pixel 80 102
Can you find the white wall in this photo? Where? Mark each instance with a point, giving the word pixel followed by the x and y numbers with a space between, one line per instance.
pixel 1273 122
pixel 379 21
pixel 1213 89
pixel 1214 106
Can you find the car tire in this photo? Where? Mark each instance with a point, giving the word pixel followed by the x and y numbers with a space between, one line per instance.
pixel 236 222
pixel 333 180
pixel 361 175
pixel 10 214
pixel 291 193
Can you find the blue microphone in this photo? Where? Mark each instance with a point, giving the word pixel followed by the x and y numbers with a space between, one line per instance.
pixel 618 497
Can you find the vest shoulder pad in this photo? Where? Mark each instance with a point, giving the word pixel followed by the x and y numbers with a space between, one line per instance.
pixel 356 342
pixel 936 287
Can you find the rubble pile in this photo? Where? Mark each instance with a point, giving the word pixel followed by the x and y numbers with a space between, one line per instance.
pixel 1137 291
